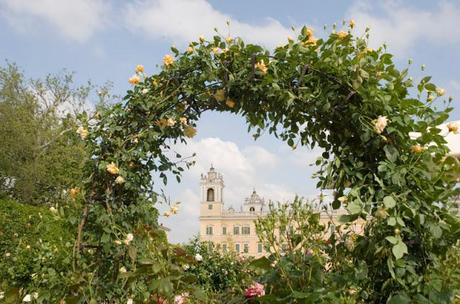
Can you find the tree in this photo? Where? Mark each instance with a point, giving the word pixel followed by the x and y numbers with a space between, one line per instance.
pixel 40 153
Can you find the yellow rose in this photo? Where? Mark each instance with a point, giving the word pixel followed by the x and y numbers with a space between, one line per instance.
pixel 229 39
pixel 440 91
pixel 417 149
pixel 201 38
pixel 219 95
pixel 74 192
pixel 168 60
pixel 139 68
pixel 82 132
pixel 342 35
pixel 189 131
pixel 453 127
pixel 112 168
pixel 183 120
pixel 230 103
pixel 309 32
pixel 310 41
pixel 216 50
pixel 261 67
pixel 190 50
pixel 134 80
pixel 352 23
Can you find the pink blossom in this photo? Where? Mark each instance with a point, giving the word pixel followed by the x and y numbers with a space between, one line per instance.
pixel 181 299
pixel 255 290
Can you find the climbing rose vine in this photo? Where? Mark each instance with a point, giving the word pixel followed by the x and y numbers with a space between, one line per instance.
pixel 335 93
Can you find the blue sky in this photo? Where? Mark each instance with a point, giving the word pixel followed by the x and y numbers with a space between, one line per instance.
pixel 103 40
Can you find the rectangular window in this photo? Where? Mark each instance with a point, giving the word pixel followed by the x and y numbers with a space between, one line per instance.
pixel 224 230
pixel 236 230
pixel 246 248
pixel 245 230
pixel 224 247
pixel 259 247
pixel 210 206
pixel 237 247
pixel 209 230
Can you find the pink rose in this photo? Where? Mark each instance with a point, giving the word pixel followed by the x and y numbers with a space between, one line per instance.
pixel 181 299
pixel 255 290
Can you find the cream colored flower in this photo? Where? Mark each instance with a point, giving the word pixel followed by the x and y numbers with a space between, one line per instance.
pixel 123 270
pixel 170 122
pixel 139 68
pixel 219 95
pixel 342 35
pixel 35 295
pixel 7 254
pixel 129 238
pixel 417 149
pixel 167 214
pixel 145 91
pixel 230 103
pixel 53 210
pixel 216 50
pixel 261 67
pixel 290 39
pixel 453 127
pixel 198 257
pixel 310 41
pixel 343 199
pixel 83 132
pixel 168 60
pixel 440 91
pixel 229 39
pixel 183 120
pixel 112 168
pixel 119 180
pixel 380 123
pixel 134 80
pixel 130 301
pixel 27 298
pixel 189 131
pixel 174 209
pixel 190 50
pixel 201 38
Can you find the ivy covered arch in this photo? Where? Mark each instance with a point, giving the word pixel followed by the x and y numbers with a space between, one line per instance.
pixel 334 93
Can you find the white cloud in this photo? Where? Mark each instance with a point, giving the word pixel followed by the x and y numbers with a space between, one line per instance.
pixel 186 20
pixel 403 26
pixel 75 20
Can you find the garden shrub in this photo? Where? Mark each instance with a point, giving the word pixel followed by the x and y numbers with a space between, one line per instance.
pixel 33 240
pixel 221 274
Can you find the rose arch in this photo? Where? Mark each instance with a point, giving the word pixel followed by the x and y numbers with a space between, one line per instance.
pixel 334 93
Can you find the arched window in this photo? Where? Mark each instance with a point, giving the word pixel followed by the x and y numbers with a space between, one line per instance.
pixel 210 195
pixel 252 209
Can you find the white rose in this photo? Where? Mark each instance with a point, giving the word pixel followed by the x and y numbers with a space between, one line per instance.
pixel 119 180
pixel 27 298
pixel 129 238
pixel 145 91
pixel 2 295
pixel 53 210
pixel 35 295
pixel 380 123
pixel 123 270
pixel 130 301
pixel 198 257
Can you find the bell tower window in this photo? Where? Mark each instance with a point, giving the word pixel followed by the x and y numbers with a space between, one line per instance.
pixel 252 209
pixel 210 195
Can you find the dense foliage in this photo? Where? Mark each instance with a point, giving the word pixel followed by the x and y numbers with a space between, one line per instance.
pixel 335 93
pixel 33 240
pixel 221 274
pixel 40 153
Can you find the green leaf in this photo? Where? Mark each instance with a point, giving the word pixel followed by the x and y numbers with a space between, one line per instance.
pixel 391 153
pixel 393 240
pixel 399 250
pixel 262 263
pixel 400 298
pixel 391 221
pixel 354 207
pixel 389 202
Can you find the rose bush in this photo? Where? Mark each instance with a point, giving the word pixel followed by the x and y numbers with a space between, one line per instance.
pixel 334 93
